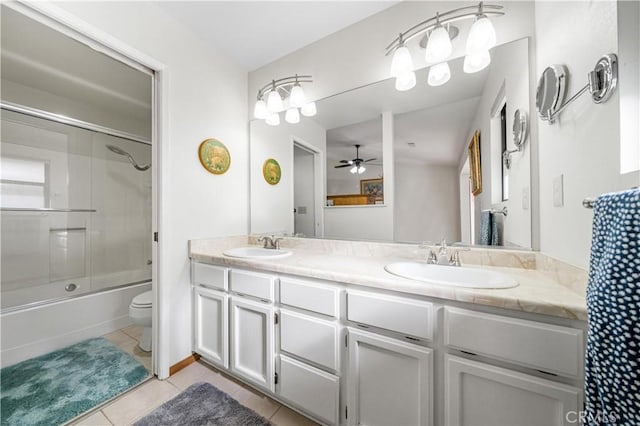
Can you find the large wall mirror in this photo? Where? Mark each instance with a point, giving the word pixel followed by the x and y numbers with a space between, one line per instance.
pixel 379 164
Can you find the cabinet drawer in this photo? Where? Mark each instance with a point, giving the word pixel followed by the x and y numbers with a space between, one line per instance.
pixel 545 347
pixel 252 284
pixel 310 338
pixel 210 276
pixel 323 299
pixel 310 389
pixel 405 316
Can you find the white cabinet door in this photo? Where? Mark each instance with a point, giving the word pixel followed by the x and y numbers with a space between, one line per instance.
pixel 211 325
pixel 389 381
pixel 252 329
pixel 480 394
pixel 311 389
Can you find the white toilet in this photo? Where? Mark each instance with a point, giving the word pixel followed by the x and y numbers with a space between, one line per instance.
pixel 140 314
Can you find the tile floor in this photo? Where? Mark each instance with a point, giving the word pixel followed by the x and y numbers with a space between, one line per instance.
pixel 127 339
pixel 138 402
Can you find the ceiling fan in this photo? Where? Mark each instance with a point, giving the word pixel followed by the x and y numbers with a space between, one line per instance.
pixel 357 164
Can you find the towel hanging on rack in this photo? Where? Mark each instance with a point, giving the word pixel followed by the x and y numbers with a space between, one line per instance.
pixel 612 368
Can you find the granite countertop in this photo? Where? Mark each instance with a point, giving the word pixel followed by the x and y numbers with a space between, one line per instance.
pixel 549 291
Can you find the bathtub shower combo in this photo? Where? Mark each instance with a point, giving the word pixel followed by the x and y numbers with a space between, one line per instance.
pixel 76 221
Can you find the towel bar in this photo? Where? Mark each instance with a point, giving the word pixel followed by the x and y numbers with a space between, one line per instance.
pixel 588 203
pixel 501 211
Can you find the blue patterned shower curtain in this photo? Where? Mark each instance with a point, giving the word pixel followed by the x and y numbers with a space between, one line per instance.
pixel 612 370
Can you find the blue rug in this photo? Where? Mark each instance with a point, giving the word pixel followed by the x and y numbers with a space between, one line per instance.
pixel 56 387
pixel 202 404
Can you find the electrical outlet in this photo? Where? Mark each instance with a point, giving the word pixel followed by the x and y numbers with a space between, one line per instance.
pixel 525 198
pixel 558 191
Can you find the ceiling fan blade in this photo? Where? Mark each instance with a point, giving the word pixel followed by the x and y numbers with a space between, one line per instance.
pixel 345 161
pixel 343 165
pixel 370 159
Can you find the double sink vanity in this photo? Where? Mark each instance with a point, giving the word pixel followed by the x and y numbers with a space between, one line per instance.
pixel 334 330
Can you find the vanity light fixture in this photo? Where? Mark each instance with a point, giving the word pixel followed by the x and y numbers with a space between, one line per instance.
pixel 284 94
pixel 439 33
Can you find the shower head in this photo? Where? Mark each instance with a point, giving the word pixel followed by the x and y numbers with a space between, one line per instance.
pixel 121 151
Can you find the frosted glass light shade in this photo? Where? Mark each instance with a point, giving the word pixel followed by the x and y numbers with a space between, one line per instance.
pixel 439 46
pixel 354 169
pixel 406 81
pixel 274 102
pixel 309 110
pixel 292 116
pixel 476 61
pixel 361 170
pixel 482 36
pixel 297 98
pixel 401 62
pixel 260 110
pixel 273 119
pixel 439 74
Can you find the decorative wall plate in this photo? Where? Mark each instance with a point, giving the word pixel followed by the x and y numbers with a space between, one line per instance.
pixel 214 156
pixel 271 171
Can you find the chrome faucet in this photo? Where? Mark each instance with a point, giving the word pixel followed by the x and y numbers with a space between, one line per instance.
pixel 443 256
pixel 270 242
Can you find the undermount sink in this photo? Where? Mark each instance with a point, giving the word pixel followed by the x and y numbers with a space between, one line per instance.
pixel 457 276
pixel 256 253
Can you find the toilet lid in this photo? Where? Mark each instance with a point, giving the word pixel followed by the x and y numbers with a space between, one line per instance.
pixel 143 300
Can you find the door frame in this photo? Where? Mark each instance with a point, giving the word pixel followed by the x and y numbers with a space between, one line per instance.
pixel 318 182
pixel 72 26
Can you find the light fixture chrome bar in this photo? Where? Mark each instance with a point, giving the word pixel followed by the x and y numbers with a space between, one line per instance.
pixel 58 118
pixel 443 19
pixel 283 83
pixel 45 210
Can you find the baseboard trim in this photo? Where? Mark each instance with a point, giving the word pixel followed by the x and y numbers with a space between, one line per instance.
pixel 182 364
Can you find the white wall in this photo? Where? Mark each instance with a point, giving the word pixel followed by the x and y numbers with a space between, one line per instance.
pixel 272 205
pixel 206 96
pixel 509 75
pixel 427 205
pixel 354 56
pixel 583 145
pixel 341 181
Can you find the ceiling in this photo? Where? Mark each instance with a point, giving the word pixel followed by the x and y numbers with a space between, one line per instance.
pixel 255 33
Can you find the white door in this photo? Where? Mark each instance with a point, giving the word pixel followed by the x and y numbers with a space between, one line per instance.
pixel 480 394
pixel 252 329
pixel 211 325
pixel 389 381
pixel 303 192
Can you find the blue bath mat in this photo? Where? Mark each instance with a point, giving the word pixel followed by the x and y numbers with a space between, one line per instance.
pixel 56 387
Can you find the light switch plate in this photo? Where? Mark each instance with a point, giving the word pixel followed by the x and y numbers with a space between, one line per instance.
pixel 525 198
pixel 558 191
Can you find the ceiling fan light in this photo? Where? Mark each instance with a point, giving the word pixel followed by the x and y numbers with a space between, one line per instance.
pixel 297 98
pixel 354 169
pixel 274 102
pixel 439 45
pixel 292 116
pixel 273 119
pixel 476 61
pixel 406 81
pixel 361 169
pixel 482 35
pixel 309 110
pixel 260 110
pixel 439 74
pixel 401 62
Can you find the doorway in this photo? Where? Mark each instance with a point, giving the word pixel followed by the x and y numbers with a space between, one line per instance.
pixel 304 194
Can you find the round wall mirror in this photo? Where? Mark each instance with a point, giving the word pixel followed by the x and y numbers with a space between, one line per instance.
pixel 519 128
pixel 551 91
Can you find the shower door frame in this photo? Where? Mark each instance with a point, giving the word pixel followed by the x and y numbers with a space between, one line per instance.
pixel 70 25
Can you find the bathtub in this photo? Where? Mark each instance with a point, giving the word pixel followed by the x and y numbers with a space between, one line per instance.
pixel 36 329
